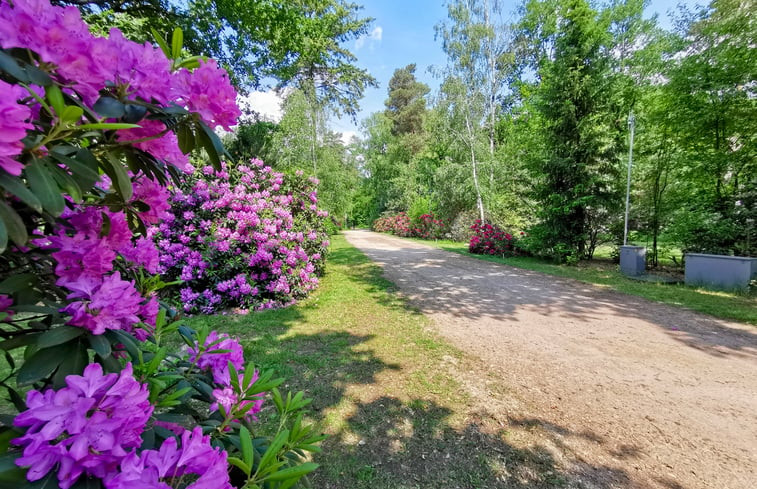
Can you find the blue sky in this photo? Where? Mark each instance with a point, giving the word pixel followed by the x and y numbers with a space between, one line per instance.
pixel 402 33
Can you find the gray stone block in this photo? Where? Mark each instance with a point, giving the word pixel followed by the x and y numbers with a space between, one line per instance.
pixel 719 271
pixel 633 260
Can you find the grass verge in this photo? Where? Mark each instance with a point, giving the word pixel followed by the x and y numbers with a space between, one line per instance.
pixel 738 306
pixel 387 390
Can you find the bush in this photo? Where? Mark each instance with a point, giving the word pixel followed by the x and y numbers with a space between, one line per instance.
pixel 92 131
pixel 397 224
pixel 489 239
pixel 461 227
pixel 429 227
pixel 426 226
pixel 243 237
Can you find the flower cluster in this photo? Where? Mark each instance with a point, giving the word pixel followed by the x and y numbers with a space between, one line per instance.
pixel 87 65
pixel 13 126
pixel 197 460
pixel 94 427
pixel 243 237
pixel 489 239
pixel 215 354
pixel 427 226
pixel 397 224
pixel 87 427
pixel 89 248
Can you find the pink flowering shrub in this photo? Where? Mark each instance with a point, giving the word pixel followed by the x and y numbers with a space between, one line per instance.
pixel 426 226
pixel 93 130
pixel 489 239
pixel 397 224
pixel 242 237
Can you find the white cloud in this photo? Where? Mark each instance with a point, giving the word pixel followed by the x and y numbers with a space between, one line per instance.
pixel 267 104
pixel 373 38
pixel 347 137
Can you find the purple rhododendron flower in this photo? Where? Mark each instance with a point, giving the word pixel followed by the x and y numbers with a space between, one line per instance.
pixel 87 427
pixel 218 363
pixel 195 461
pixel 230 400
pixel 13 126
pixel 110 304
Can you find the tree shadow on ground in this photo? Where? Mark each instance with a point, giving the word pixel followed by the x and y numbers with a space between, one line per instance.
pixel 388 443
pixel 471 289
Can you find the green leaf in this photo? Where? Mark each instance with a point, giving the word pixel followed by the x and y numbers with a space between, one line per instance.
pixel 17 187
pixel 81 167
pixel 71 113
pixel 177 41
pixel 186 138
pixel 161 42
pixel 13 224
pixel 100 344
pixel 55 96
pixel 41 364
pixel 293 472
pixel 59 335
pixel 67 183
pixel 10 66
pixel 117 173
pixel 37 76
pixel 109 107
pixel 15 283
pixel 246 441
pixel 9 471
pixel 73 364
pixel 273 449
pixel 240 465
pixel 134 113
pixel 44 187
pixel 3 236
pixel 108 126
pixel 191 63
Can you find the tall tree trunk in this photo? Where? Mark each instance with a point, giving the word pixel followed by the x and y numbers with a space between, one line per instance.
pixel 474 166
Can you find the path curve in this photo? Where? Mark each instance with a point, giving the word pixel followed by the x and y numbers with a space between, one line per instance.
pixel 666 396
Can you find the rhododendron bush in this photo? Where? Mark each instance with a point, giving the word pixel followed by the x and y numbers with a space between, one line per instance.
pixel 426 226
pixel 243 237
pixel 92 133
pixel 489 239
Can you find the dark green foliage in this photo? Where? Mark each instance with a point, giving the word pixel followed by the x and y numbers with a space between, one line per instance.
pixel 575 183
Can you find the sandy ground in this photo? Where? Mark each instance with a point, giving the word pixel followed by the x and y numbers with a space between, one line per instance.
pixel 655 395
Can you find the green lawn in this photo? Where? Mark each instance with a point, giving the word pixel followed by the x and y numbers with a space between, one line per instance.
pixel 385 389
pixel 738 306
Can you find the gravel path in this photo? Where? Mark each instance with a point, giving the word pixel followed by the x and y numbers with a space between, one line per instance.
pixel 655 395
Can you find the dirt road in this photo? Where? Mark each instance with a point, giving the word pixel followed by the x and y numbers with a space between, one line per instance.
pixel 657 396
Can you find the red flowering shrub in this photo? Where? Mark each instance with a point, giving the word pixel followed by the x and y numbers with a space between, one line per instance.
pixel 425 227
pixel 429 227
pixel 489 239
pixel 397 224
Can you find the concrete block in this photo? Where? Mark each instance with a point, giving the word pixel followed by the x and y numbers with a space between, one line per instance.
pixel 633 260
pixel 719 271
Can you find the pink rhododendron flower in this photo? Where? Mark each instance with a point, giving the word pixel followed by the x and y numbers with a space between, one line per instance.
pixel 13 125
pixel 110 304
pixel 196 461
pixel 87 427
pixel 217 108
pixel 165 147
pixel 218 363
